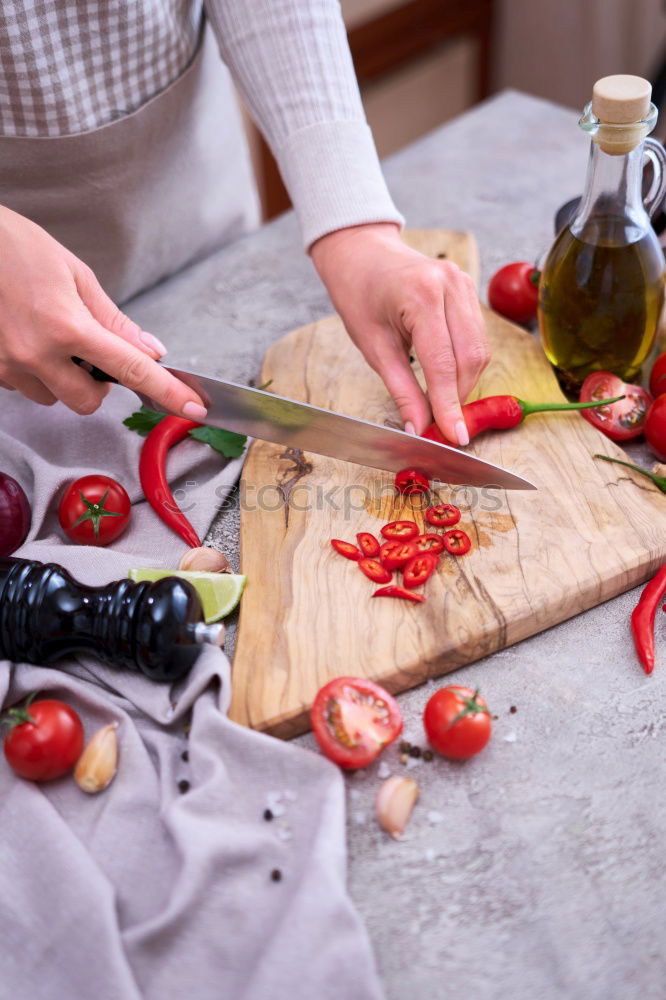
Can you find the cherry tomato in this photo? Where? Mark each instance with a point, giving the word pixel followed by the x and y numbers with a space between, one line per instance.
pixel 368 544
pixel 400 530
pixel 374 570
pixel 411 482
pixel 443 515
pixel 346 549
pixel 513 291
pixel 94 510
pixel 353 720
pixel 394 554
pixel 457 722
pixel 655 427
pixel 429 543
pixel 619 421
pixel 393 591
pixel 45 740
pixel 419 569
pixel 658 376
pixel 456 542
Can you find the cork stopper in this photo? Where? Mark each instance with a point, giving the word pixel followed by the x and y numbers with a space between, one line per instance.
pixel 622 103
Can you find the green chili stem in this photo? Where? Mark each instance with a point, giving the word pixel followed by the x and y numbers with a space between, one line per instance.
pixel 529 408
pixel 659 481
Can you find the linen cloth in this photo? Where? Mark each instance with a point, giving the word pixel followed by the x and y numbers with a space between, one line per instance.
pixel 69 67
pixel 147 890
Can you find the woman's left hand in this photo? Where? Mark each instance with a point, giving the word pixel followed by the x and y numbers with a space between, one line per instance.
pixel 394 301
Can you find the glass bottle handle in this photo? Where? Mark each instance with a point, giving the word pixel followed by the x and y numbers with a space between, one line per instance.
pixel 656 154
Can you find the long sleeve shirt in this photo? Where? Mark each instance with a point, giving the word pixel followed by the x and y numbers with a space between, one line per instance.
pixel 70 66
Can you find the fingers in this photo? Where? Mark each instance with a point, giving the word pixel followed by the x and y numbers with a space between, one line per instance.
pixel 394 369
pixel 135 370
pixel 35 390
pixel 75 388
pixel 108 315
pixel 468 333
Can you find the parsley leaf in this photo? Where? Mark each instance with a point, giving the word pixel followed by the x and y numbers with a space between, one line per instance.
pixel 142 421
pixel 229 444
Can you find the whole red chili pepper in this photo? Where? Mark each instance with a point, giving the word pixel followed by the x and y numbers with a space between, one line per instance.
pixel 642 619
pixel 152 473
pixel 498 413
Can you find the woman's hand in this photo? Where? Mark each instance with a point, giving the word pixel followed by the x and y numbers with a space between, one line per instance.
pixel 52 308
pixel 394 301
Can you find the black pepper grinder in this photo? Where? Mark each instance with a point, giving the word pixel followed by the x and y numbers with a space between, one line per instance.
pixel 155 629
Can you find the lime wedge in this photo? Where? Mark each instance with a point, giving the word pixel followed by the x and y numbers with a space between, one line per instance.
pixel 219 592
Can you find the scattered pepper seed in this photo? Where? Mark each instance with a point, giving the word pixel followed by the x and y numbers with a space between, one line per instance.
pixel 415 751
pixel 185 755
pixel 183 786
pixel 276 875
pixel 268 815
pixel 428 755
pixel 441 256
pixel 405 746
pixel 513 709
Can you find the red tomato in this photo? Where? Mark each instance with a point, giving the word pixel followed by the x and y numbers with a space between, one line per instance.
pixel 456 542
pixel 443 515
pixel 346 549
pixel 94 510
pixel 393 591
pixel 393 554
pixel 655 427
pixel 658 376
pixel 353 720
pixel 419 569
pixel 619 421
pixel 429 543
pixel 457 722
pixel 368 544
pixel 513 291
pixel 400 530
pixel 411 482
pixel 45 741
pixel 374 570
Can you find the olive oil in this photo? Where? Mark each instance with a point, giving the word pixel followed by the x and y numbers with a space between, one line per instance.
pixel 602 286
pixel 600 299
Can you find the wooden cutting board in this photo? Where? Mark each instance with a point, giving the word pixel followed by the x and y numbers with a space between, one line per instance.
pixel 591 531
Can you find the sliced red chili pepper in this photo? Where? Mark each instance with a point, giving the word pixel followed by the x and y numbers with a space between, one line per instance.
pixel 368 544
pixel 393 591
pixel 346 549
pixel 393 554
pixel 153 475
pixel 411 482
pixel 456 542
pixel 443 515
pixel 374 570
pixel 401 530
pixel 429 543
pixel 419 569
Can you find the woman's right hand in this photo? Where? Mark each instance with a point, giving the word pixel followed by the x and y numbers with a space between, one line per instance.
pixel 52 308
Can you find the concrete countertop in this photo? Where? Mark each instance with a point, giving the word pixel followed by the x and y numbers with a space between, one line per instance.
pixel 536 871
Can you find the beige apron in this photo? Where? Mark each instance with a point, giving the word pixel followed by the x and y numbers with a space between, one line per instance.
pixel 144 196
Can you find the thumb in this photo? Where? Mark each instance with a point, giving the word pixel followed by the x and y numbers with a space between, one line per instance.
pixel 108 315
pixel 398 377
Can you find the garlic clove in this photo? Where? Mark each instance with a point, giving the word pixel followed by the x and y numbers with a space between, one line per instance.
pixel 97 765
pixel 395 800
pixel 204 560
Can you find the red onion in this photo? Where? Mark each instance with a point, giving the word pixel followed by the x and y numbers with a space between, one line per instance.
pixel 14 515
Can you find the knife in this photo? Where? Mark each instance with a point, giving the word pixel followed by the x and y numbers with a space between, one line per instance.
pixel 293 424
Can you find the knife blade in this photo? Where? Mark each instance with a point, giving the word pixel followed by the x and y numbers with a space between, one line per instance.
pixel 294 424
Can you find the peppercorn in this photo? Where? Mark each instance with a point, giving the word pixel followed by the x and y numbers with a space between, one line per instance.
pixel 405 746
pixel 276 875
pixel 415 751
pixel 428 755
pixel 185 756
pixel 404 757
pixel 183 786
pixel 268 815
pixel 513 709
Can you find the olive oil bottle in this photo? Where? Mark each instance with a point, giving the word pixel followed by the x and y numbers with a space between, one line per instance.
pixel 602 286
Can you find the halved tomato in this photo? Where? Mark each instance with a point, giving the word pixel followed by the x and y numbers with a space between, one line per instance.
pixel 393 554
pixel 353 720
pixel 374 570
pixel 400 530
pixel 619 421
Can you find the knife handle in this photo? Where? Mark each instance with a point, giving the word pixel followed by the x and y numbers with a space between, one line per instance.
pixel 95 373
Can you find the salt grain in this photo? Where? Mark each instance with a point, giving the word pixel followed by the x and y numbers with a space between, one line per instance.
pixel 510 738
pixel 435 817
pixel 359 817
pixel 383 771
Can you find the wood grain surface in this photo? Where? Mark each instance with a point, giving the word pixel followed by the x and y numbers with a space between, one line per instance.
pixel 591 531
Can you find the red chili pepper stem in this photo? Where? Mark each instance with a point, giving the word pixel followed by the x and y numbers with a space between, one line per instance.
pixel 529 408
pixel 642 619
pixel 659 481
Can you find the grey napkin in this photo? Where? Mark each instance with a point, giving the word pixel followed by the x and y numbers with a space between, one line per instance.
pixel 171 883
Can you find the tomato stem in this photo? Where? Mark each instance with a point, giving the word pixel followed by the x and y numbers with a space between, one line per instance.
pixel 659 481
pixel 472 707
pixel 529 408
pixel 17 716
